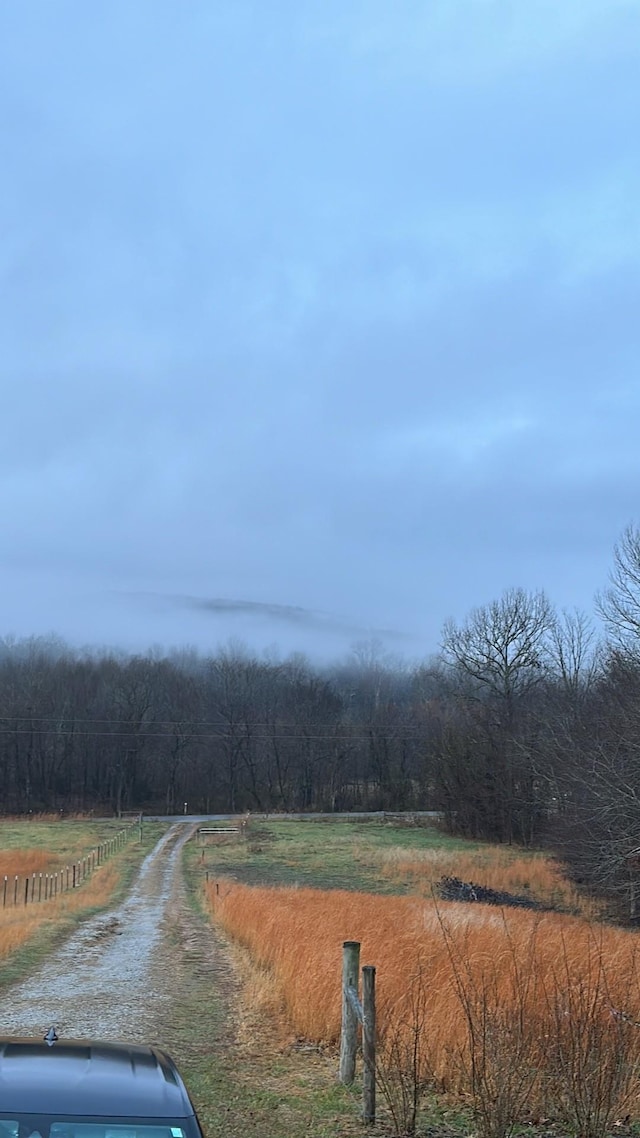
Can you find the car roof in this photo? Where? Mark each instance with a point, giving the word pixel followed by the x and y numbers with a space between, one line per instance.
pixel 90 1077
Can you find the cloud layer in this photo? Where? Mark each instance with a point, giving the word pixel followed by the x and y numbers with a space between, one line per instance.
pixel 332 307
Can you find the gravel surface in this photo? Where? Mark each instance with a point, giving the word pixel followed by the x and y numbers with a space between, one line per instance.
pixel 113 978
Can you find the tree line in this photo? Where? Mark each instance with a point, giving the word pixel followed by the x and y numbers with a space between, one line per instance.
pixel 524 728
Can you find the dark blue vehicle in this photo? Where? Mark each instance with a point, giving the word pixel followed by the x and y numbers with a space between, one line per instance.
pixel 86 1089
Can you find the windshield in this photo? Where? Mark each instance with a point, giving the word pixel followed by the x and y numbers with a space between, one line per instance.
pixel 57 1126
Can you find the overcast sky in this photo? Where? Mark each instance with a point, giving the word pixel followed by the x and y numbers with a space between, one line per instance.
pixel 326 305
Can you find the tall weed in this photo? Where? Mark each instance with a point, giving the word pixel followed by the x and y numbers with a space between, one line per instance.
pixel 497 867
pixel 515 1012
pixel 593 1056
pixel 499 1057
pixel 22 863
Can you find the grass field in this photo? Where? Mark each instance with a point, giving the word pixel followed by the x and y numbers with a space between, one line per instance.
pixel 49 843
pixel 381 858
pixel 466 986
pixel 501 991
pixel 297 935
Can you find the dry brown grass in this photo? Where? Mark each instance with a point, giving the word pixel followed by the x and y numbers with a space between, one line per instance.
pixel 22 863
pixel 487 972
pixel 497 867
pixel 260 1000
pixel 18 924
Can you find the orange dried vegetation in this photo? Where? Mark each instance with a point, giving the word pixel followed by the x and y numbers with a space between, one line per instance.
pixel 534 965
pixel 497 867
pixel 22 863
pixel 19 923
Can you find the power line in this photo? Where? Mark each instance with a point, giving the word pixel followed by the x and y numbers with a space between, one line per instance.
pixel 55 719
pixel 194 735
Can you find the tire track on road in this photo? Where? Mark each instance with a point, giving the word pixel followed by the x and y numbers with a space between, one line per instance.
pixel 105 980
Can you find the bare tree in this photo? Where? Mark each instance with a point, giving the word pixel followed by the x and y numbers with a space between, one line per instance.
pixel 500 656
pixel 619 604
pixel 574 654
pixel 502 646
pixel 597 771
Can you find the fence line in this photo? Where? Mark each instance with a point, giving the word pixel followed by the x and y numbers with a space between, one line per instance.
pixel 40 887
pixel 355 1014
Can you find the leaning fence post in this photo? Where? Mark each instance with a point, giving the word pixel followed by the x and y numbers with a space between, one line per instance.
pixel 369 1043
pixel 349 1033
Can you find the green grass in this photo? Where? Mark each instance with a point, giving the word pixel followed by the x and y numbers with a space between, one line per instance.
pixel 261 1094
pixel 67 838
pixel 271 1090
pixel 258 1088
pixel 323 855
pixel 290 1092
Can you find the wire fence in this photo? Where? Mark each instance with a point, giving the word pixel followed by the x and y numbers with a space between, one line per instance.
pixel 27 889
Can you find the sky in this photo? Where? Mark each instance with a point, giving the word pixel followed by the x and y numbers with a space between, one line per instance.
pixel 319 318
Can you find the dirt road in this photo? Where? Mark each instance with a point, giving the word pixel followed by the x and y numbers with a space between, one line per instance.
pixel 119 975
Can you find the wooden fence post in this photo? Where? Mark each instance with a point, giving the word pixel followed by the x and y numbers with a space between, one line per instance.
pixel 349 1033
pixel 353 1014
pixel 369 1043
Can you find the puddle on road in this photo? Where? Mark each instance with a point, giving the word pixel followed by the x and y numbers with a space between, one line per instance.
pixel 99 982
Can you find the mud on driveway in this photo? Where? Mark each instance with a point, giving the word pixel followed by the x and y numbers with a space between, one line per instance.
pixel 119 975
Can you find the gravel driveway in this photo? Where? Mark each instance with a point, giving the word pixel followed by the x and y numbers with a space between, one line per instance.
pixel 116 976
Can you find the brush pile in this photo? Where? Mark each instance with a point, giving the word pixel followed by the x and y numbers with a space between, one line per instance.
pixel 453 889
